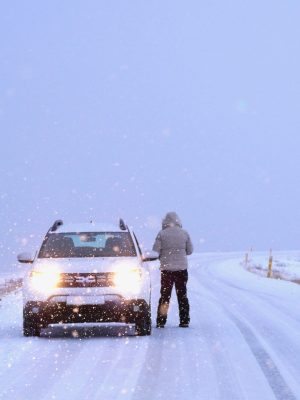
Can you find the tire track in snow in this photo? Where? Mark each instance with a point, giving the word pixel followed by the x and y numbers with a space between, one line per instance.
pixel 277 382
pixel 269 298
pixel 227 351
pixel 270 312
pixel 273 375
pixel 275 327
pixel 171 362
pixel 225 378
pixel 177 366
pixel 38 369
pixel 116 378
pixel 150 374
pixel 107 368
pixel 35 363
pixel 178 370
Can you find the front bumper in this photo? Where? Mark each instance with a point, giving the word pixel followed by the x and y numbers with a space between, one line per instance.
pixel 55 312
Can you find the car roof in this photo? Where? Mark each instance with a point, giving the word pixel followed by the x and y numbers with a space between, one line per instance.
pixel 89 227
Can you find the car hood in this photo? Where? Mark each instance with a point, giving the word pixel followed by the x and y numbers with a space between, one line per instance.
pixel 86 264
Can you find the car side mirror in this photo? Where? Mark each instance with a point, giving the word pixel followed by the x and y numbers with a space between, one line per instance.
pixel 25 258
pixel 150 255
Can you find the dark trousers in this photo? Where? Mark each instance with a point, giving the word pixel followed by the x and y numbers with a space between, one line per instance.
pixel 168 279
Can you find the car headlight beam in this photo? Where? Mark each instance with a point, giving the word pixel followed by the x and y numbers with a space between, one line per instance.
pixel 44 281
pixel 128 280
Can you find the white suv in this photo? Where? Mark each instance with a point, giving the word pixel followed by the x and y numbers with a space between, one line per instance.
pixel 87 273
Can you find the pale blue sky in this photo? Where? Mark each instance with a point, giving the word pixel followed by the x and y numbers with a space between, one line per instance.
pixel 138 108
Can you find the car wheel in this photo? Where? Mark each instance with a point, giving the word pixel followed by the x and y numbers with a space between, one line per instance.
pixel 30 325
pixel 143 325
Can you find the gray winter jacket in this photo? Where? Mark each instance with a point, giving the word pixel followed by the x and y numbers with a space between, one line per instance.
pixel 173 244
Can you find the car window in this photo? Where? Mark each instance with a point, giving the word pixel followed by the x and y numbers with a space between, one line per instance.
pixel 87 244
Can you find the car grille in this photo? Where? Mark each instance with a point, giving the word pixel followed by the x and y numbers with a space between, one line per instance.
pixel 103 279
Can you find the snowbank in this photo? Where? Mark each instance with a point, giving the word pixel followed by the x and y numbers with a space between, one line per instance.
pixel 286 265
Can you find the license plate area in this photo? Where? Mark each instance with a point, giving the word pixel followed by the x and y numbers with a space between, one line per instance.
pixel 85 300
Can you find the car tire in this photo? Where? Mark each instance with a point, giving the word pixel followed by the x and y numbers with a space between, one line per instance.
pixel 30 325
pixel 143 325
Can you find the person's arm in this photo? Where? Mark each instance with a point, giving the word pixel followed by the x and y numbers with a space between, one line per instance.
pixel 157 244
pixel 189 246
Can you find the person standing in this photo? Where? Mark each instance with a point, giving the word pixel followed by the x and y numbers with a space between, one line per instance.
pixel 173 244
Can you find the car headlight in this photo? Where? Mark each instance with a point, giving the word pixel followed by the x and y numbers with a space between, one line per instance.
pixel 44 281
pixel 128 280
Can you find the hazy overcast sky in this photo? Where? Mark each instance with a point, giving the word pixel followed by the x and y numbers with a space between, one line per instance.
pixel 135 108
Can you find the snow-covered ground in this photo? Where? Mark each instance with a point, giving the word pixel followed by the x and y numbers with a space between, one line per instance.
pixel 243 343
pixel 284 266
pixel 4 277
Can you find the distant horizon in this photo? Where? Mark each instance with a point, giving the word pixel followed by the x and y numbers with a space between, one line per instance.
pixel 146 238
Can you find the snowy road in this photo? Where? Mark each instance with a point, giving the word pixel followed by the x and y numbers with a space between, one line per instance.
pixel 243 343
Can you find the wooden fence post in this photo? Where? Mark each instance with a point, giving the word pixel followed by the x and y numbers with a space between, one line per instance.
pixel 270 265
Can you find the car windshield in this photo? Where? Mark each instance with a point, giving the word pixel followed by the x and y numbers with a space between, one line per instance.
pixel 87 244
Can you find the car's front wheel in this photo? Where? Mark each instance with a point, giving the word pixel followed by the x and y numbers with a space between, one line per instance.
pixel 143 325
pixel 31 326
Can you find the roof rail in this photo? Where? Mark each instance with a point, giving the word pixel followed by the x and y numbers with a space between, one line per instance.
pixel 56 225
pixel 122 225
